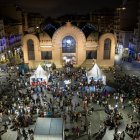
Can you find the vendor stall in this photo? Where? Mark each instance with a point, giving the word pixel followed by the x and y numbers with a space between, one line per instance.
pixel 49 129
pixel 40 77
pixel 96 74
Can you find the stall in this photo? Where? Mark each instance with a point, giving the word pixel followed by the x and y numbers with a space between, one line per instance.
pixel 96 74
pixel 49 129
pixel 39 77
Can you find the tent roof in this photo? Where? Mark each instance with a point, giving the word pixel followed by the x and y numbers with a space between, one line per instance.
pixel 95 72
pixel 49 126
pixel 40 72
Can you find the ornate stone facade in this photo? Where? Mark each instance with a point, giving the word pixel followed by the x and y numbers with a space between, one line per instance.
pixel 83 45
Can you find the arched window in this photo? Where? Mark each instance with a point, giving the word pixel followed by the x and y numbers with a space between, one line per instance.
pixel 107 48
pixel 68 45
pixel 30 46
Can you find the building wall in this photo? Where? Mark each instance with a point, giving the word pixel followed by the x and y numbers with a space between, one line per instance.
pixel 3 44
pixel 76 33
pixel 56 47
pixel 125 36
pixel 34 19
pixel 12 12
pixel 13 29
pixel 138 35
pixel 125 22
pixel 103 19
pixel 128 17
pixel 100 60
pixel 37 60
pixel 2 32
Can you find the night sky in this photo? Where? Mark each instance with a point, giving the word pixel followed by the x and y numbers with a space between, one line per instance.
pixel 61 7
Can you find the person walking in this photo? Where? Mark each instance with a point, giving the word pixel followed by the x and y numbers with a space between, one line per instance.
pixel 131 119
pixel 77 131
pixel 89 129
pixel 18 135
pixel 122 135
pixel 5 127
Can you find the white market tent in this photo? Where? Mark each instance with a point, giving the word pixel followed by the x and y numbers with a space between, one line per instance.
pixel 96 74
pixel 40 73
pixel 49 129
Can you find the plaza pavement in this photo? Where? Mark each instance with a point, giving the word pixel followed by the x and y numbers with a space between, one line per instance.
pixel 97 116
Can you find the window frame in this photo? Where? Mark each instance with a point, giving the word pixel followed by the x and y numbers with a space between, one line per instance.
pixel 47 56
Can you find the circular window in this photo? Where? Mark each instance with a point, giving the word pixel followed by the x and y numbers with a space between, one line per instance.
pixel 68 45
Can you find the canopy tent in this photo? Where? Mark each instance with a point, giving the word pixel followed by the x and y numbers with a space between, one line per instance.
pixel 96 74
pixel 40 76
pixel 49 129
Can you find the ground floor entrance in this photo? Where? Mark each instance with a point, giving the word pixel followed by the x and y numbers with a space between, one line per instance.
pixel 69 59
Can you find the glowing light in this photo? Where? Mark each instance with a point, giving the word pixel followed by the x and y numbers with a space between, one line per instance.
pixel 48 65
pixel 119 132
pixel 67 82
pixel 64 58
pixel 67 60
pixel 68 41
pixel 123 8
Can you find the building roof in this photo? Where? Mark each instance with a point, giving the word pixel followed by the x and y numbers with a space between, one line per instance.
pixel 93 36
pixel 95 72
pixel 44 34
pixel 51 27
pixel 49 126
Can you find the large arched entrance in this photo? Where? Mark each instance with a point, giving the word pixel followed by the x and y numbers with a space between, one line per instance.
pixel 69 50
pixel 69 43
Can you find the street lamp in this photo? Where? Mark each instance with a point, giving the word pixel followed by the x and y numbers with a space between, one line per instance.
pixel 123 8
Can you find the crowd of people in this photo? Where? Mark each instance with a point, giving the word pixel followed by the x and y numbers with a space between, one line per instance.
pixel 74 102
pixel 129 86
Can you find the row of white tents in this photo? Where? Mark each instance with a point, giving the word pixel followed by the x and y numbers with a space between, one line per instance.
pixel 95 73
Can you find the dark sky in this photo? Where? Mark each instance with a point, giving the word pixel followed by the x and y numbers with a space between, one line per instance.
pixel 61 7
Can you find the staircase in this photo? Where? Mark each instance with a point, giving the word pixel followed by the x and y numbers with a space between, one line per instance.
pixel 88 63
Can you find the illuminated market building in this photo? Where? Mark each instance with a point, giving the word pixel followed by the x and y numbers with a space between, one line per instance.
pixel 69 43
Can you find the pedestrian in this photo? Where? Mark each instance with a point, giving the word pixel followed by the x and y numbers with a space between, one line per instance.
pixel 5 126
pixel 82 124
pixel 127 128
pixel 85 127
pixel 115 136
pixel 131 119
pixel 18 134
pixel 116 128
pixel 100 103
pixel 122 135
pixel 77 131
pixel 89 129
